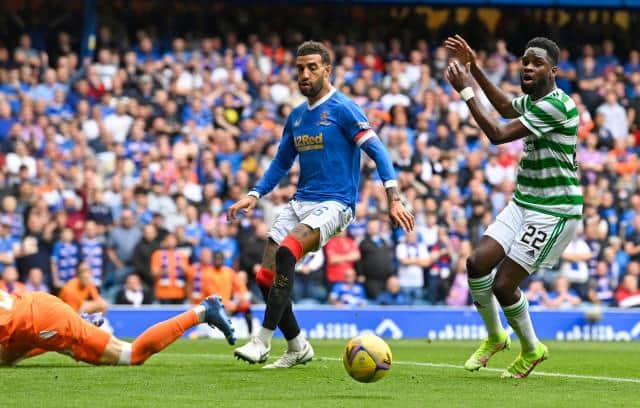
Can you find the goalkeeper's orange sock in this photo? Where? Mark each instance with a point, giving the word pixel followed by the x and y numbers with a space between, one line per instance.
pixel 157 337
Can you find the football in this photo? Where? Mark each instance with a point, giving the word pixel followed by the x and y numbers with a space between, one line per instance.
pixel 367 358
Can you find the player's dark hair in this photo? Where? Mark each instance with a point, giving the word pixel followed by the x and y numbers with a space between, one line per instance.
pixel 314 48
pixel 546 44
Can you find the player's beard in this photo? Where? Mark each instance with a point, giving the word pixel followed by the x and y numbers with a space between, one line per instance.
pixel 313 89
pixel 534 87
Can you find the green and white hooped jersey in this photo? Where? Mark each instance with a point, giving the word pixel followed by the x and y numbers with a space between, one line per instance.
pixel 548 173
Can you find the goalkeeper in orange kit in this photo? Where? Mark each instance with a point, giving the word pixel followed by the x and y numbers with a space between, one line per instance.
pixel 32 324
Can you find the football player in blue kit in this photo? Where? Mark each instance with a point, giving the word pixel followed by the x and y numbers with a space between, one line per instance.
pixel 326 134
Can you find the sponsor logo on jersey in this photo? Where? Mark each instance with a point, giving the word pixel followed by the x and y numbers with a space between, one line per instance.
pixel 296 122
pixel 309 142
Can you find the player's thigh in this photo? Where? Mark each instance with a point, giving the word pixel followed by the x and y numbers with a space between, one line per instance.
pixel 498 239
pixel 328 217
pixel 59 328
pixel 285 221
pixel 542 240
pixel 506 226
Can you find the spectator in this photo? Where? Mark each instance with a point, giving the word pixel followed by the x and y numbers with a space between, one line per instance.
pixel 93 252
pixel 8 247
pixel 81 294
pixel 10 283
pixel 536 293
pixel 141 260
pixel 16 222
pixel 376 263
pixel 459 294
pixel 169 268
pixel 628 294
pixel 601 286
pixel 392 296
pixel 615 117
pixel 574 263
pixel 349 292
pixel 341 254
pixel 252 241
pixel 118 123
pixel 35 281
pixel 209 277
pixel 413 257
pixel 232 287
pixel 439 267
pixel 65 258
pixel 562 297
pixel 309 278
pixel 134 292
pixel 120 247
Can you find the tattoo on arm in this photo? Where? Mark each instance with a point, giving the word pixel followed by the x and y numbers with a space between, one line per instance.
pixel 393 194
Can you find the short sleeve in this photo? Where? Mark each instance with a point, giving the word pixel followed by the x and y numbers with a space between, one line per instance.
pixel 519 103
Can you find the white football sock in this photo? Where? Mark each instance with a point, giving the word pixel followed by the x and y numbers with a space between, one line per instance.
pixel 520 320
pixel 125 354
pixel 297 343
pixel 200 310
pixel 486 303
pixel 265 335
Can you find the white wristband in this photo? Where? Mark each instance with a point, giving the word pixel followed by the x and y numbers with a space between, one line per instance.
pixel 467 93
pixel 254 193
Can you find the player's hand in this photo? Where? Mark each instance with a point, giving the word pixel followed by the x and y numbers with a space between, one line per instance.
pixel 401 216
pixel 246 203
pixel 458 75
pixel 460 49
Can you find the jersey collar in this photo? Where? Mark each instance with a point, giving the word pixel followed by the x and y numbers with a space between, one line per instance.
pixel 321 100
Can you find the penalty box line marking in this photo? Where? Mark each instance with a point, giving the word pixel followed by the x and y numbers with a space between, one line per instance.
pixel 439 365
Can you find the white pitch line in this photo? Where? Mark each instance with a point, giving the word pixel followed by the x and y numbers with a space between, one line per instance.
pixel 442 365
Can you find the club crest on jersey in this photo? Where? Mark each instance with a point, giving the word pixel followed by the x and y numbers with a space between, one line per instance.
pixel 309 142
pixel 324 119
pixel 528 145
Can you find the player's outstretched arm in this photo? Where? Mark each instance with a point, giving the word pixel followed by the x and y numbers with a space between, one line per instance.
pixel 466 55
pixel 459 78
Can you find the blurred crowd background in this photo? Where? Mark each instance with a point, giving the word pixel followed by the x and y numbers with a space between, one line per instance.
pixel 118 160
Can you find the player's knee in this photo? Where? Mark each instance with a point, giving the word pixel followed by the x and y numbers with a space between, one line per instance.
pixel 475 266
pixel 285 261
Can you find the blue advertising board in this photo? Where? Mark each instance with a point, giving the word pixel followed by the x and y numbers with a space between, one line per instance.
pixel 435 323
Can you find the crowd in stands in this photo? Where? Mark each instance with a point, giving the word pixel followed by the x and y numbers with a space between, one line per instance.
pixel 116 171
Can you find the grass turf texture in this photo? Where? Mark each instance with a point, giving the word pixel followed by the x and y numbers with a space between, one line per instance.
pixel 204 373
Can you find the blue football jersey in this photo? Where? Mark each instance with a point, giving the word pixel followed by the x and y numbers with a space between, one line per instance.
pixel 326 138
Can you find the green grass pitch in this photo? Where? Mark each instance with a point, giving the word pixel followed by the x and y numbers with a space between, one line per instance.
pixel 204 373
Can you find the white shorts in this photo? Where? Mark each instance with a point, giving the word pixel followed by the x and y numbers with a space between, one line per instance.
pixel 330 217
pixel 532 239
